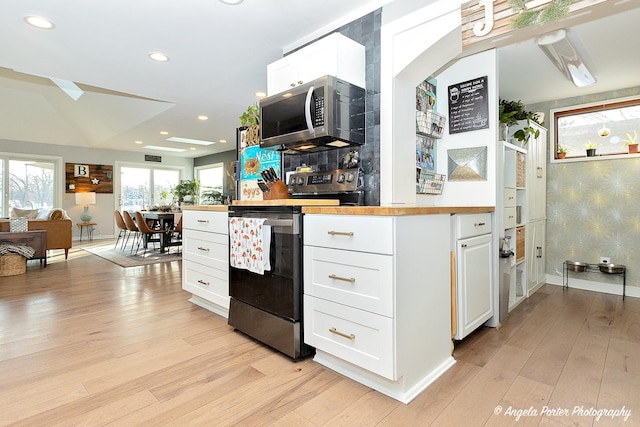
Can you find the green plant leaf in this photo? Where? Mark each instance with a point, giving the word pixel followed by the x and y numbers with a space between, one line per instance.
pixel 524 18
pixel 554 11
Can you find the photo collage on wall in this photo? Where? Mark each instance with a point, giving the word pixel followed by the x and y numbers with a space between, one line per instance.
pixel 425 145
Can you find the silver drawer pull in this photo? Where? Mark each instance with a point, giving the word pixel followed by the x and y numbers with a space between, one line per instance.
pixel 203 249
pixel 337 332
pixel 202 282
pixel 340 233
pixel 479 224
pixel 204 221
pixel 344 279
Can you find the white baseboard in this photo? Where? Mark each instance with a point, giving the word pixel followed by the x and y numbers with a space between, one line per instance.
pixel 589 285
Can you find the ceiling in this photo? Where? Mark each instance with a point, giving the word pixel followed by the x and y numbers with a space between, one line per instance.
pixel 218 55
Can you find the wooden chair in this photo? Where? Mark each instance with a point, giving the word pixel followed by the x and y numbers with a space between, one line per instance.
pixel 146 233
pixel 133 229
pixel 122 227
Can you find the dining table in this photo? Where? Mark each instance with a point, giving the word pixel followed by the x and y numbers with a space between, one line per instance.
pixel 162 221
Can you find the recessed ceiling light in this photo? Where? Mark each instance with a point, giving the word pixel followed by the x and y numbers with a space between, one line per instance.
pixel 231 2
pixel 203 117
pixel 155 147
pixel 137 142
pixel 158 56
pixel 164 132
pixel 224 141
pixel 192 148
pixel 39 22
pixel 190 141
pixel 260 94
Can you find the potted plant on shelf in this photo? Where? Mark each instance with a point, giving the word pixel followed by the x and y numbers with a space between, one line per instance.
pixel 631 142
pixel 186 191
pixel 251 120
pixel 561 153
pixel 591 148
pixel 509 113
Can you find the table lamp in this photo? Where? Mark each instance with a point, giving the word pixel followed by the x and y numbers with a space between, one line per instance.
pixel 86 199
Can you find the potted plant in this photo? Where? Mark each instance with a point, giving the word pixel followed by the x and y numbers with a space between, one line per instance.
pixel 213 197
pixel 186 191
pixel 632 142
pixel 591 148
pixel 561 153
pixel 251 120
pixel 509 113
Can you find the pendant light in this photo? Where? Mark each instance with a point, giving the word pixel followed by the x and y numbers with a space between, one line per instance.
pixel 604 131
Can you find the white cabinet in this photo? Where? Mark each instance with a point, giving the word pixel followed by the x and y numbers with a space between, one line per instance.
pixel 536 240
pixel 474 255
pixel 523 170
pixel 205 259
pixel 334 55
pixel 377 298
pixel 537 175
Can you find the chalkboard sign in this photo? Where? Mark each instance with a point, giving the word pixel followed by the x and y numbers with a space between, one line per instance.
pixel 468 106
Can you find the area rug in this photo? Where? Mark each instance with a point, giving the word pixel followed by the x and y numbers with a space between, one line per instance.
pixel 126 259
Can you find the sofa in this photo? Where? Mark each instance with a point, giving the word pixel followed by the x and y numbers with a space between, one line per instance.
pixel 55 221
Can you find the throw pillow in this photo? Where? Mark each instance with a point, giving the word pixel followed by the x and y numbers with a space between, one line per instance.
pixel 58 214
pixel 43 213
pixel 24 213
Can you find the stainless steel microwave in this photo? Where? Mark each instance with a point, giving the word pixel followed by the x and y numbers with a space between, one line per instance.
pixel 322 114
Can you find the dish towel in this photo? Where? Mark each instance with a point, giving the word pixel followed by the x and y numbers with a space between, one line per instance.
pixel 250 240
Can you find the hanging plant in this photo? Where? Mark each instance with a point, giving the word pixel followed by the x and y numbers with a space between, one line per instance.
pixel 555 10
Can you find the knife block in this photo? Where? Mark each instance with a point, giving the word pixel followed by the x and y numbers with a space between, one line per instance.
pixel 277 191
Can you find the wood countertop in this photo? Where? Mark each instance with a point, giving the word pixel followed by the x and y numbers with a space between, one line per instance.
pixel 215 208
pixel 395 210
pixel 320 206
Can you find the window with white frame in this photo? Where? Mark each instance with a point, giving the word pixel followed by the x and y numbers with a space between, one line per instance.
pixel 210 177
pixel 607 127
pixel 27 183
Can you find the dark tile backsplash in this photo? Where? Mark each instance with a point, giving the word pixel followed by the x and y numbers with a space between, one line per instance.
pixel 366 31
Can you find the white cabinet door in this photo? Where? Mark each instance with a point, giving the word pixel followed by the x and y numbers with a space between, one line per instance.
pixel 475 294
pixel 536 239
pixel 334 55
pixel 537 175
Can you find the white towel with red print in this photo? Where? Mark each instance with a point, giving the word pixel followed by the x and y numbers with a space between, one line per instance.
pixel 250 240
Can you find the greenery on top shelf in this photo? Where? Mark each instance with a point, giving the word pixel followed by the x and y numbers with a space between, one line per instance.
pixel 251 117
pixel 213 197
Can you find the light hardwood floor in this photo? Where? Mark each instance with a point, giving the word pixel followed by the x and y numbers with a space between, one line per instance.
pixel 86 342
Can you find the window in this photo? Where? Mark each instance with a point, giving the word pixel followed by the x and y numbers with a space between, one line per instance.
pixel 607 127
pixel 210 177
pixel 30 183
pixel 137 182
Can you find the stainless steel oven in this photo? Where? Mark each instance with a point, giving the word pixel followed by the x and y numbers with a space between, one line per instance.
pixel 268 307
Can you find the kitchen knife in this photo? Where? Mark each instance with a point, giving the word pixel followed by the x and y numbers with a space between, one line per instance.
pixel 263 187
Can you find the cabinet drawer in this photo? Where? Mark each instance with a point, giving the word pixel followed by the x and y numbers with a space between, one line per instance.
pixel 469 225
pixel 356 279
pixel 357 336
pixel 353 233
pixel 209 249
pixel 216 222
pixel 509 218
pixel 509 197
pixel 207 283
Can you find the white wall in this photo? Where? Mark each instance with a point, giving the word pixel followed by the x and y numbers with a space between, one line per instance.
pixel 102 211
pixel 470 193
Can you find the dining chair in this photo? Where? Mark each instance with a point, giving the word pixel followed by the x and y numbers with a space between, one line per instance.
pixel 133 229
pixel 174 236
pixel 146 233
pixel 122 227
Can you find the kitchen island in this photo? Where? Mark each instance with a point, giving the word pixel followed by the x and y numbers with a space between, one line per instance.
pixel 377 292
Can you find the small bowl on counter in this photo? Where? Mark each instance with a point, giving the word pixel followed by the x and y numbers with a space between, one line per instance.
pixel 611 268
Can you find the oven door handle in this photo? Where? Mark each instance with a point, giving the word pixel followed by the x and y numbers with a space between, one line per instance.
pixel 279 222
